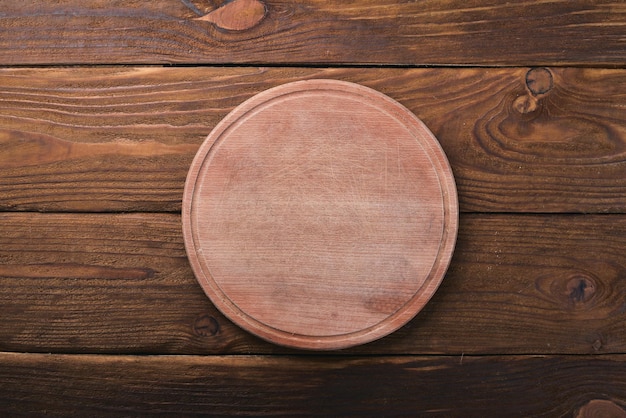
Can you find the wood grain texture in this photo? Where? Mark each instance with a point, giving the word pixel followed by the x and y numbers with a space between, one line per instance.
pixel 122 284
pixel 122 139
pixel 320 214
pixel 62 385
pixel 103 105
pixel 477 32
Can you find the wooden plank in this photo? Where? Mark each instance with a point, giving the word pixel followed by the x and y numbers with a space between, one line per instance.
pixel 122 139
pixel 62 385
pixel 477 32
pixel 120 283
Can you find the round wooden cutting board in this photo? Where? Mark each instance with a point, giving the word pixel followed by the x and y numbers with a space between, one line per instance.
pixel 320 215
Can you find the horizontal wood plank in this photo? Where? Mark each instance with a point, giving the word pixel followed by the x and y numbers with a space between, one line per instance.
pixel 477 32
pixel 122 139
pixel 62 385
pixel 120 283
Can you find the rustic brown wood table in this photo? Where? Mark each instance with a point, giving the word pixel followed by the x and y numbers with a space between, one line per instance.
pixel 103 105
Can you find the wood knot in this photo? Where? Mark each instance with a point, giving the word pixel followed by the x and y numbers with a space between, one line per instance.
pixel 580 289
pixel 525 104
pixel 237 15
pixel 601 408
pixel 597 345
pixel 206 325
pixel 574 290
pixel 539 81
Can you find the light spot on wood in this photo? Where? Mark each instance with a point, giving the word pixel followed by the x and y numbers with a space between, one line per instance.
pixel 21 149
pixel 601 408
pixel 525 104
pixel 237 15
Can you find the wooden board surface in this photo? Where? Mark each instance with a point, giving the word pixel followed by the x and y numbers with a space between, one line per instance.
pixel 476 32
pixel 467 386
pixel 122 139
pixel 121 283
pixel 527 99
pixel 320 214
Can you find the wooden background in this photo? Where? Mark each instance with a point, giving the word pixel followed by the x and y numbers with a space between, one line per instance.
pixel 103 105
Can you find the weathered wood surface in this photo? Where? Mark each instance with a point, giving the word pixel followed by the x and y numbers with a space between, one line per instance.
pixel 120 283
pixel 122 139
pixel 477 32
pixel 61 385
pixel 101 136
pixel 320 214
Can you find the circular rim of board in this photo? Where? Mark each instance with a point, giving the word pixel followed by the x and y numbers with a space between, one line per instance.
pixel 206 221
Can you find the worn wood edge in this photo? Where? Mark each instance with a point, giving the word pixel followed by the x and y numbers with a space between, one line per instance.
pixel 275 32
pixel 251 385
pixel 121 283
pixel 519 140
